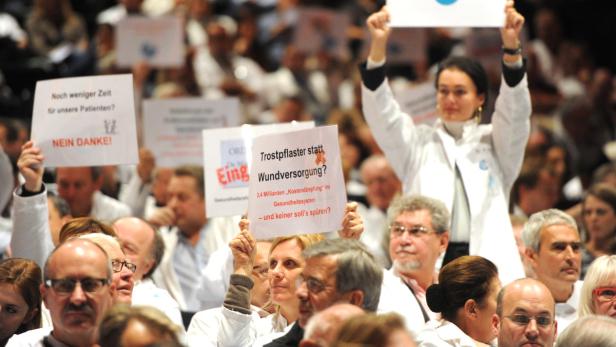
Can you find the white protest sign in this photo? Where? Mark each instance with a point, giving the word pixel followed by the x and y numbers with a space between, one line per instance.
pixel 446 13
pixel 85 121
pixel 322 30
pixel 172 127
pixel 297 185
pixel 419 101
pixel 227 156
pixel 159 41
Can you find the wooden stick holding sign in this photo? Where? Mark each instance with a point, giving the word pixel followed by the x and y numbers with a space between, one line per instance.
pixel 296 184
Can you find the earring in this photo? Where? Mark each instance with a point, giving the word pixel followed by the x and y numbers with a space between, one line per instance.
pixel 478 113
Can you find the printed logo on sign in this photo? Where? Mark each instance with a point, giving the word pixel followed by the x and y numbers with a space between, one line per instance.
pixel 446 2
pixel 233 170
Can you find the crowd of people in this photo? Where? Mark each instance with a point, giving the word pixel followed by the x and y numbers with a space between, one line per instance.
pixel 494 225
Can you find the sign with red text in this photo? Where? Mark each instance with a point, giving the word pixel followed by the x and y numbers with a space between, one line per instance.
pixel 296 185
pixel 172 128
pixel 227 154
pixel 419 101
pixel 85 121
pixel 157 41
pixel 446 13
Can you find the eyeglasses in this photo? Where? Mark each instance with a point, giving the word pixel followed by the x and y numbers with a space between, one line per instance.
pixel 260 271
pixel 415 231
pixel 117 265
pixel 314 286
pixel 67 285
pixel 605 294
pixel 523 320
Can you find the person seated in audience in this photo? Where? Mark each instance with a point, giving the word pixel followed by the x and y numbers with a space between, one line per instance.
pixel 589 331
pixel 465 295
pixel 382 186
pixel 77 291
pixel 20 299
pixel 386 330
pixel 599 220
pixel 598 294
pixel 204 325
pixel 536 187
pixel 336 271
pixel 145 248
pixel 553 249
pixel 418 236
pixel 137 326
pixel 525 314
pixel 323 327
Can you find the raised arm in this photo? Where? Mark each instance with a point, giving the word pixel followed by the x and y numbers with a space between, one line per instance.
pixel 31 237
pixel 378 25
pixel 510 34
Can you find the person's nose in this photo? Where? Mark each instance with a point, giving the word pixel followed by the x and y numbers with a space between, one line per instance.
pixel 531 330
pixel 78 296
pixel 302 291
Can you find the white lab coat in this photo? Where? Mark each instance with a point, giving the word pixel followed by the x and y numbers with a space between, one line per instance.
pixel 443 333
pixel 488 156
pixel 221 231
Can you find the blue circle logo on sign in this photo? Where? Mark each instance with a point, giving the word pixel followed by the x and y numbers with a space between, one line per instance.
pixel 446 2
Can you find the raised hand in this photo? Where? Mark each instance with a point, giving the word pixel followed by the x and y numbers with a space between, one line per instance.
pixel 244 249
pixel 378 24
pixel 30 164
pixel 352 224
pixel 514 21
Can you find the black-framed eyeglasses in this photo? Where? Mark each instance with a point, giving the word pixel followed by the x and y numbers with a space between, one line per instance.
pixel 415 230
pixel 67 285
pixel 117 265
pixel 523 320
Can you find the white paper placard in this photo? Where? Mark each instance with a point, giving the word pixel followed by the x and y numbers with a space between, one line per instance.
pixel 85 121
pixel 296 185
pixel 227 156
pixel 446 13
pixel 419 101
pixel 320 29
pixel 158 41
pixel 172 127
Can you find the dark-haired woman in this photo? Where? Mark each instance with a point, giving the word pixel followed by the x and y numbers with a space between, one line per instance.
pixel 599 220
pixel 468 166
pixel 20 300
pixel 466 299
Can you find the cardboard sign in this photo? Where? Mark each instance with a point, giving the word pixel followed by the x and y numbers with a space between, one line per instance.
pixel 447 13
pixel 419 101
pixel 172 127
pixel 85 121
pixel 322 30
pixel 227 158
pixel 158 41
pixel 296 185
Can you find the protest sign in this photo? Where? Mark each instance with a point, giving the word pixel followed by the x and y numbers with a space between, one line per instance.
pixel 227 160
pixel 85 121
pixel 419 101
pixel 321 29
pixel 296 185
pixel 158 41
pixel 172 127
pixel 446 13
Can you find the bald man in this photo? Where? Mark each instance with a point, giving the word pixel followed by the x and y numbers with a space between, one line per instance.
pixel 525 314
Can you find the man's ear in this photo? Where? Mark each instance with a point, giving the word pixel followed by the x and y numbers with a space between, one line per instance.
pixel 444 241
pixel 357 298
pixel 531 256
pixel 43 290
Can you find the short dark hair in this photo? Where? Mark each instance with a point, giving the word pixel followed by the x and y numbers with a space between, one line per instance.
pixel 471 67
pixel 195 172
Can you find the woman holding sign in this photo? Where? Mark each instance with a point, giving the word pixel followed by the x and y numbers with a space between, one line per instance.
pixel 469 166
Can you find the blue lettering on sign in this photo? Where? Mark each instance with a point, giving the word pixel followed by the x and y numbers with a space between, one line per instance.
pixel 446 2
